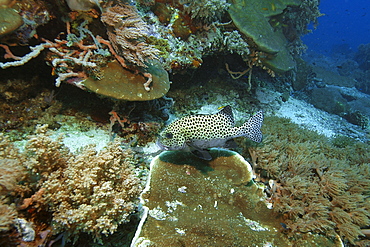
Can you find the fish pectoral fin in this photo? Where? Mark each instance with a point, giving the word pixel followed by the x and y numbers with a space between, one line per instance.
pixel 200 153
pixel 231 144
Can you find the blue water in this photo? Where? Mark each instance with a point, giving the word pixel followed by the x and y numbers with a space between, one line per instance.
pixel 346 25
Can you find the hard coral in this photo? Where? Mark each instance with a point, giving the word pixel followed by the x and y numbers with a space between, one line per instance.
pixel 11 173
pixel 315 186
pixel 252 19
pixel 7 215
pixel 11 168
pixel 89 192
pixel 184 193
pixel 123 84
pixel 10 20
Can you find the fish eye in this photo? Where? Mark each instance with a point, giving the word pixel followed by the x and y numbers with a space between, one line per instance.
pixel 168 135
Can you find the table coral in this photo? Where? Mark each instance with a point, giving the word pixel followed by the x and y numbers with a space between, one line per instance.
pixel 10 19
pixel 252 19
pixel 192 202
pixel 120 83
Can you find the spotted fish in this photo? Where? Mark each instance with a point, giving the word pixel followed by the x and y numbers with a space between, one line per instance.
pixel 197 133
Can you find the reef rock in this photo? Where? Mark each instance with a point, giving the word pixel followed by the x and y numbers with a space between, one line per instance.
pixel 192 202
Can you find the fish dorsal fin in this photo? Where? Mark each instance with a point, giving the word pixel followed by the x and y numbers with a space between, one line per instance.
pixel 228 112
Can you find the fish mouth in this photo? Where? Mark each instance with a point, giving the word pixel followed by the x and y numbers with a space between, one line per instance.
pixel 161 146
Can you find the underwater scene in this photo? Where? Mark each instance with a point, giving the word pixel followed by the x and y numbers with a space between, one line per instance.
pixel 179 123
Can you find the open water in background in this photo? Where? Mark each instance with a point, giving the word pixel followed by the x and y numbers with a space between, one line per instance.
pixel 345 25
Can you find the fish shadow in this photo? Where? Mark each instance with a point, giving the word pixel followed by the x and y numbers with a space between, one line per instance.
pixel 187 158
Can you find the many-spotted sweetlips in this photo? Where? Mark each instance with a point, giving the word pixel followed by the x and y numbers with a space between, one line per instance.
pixel 197 133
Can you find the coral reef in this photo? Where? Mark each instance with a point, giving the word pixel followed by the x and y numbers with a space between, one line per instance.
pixel 315 186
pixel 150 38
pixel 12 172
pixel 129 51
pixel 34 14
pixel 120 83
pixel 8 214
pixel 346 102
pixel 64 193
pixel 11 167
pixel 192 202
pixel 362 68
pixel 362 56
pixel 206 10
pixel 252 19
pixel 19 20
pixel 178 34
pixel 128 33
pixel 10 20
pixel 134 133
pixel 83 54
pixel 90 192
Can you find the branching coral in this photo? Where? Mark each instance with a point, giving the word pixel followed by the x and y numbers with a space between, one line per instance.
pixel 11 167
pixel 7 215
pixel 317 187
pixel 45 155
pixel 90 192
pixel 11 173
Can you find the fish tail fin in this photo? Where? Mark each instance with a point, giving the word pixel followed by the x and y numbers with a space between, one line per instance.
pixel 252 128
